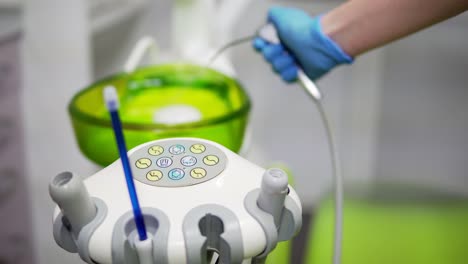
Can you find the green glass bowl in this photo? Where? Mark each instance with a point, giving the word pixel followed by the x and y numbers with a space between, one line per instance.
pixel 163 101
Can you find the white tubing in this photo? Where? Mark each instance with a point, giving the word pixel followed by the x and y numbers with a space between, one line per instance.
pixel 144 250
pixel 338 182
pixel 313 91
pixel 142 47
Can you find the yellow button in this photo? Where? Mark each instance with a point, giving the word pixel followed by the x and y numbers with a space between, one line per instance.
pixel 198 173
pixel 143 163
pixel 197 148
pixel 156 150
pixel 154 175
pixel 210 160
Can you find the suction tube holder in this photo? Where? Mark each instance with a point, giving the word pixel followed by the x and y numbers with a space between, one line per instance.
pixel 273 192
pixel 80 214
pixel 70 194
pixel 275 210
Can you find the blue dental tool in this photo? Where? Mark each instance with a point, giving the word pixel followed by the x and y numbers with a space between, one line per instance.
pixel 112 104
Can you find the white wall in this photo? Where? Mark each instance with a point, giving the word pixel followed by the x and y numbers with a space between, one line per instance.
pixel 61 54
pixel 424 122
pixel 56 55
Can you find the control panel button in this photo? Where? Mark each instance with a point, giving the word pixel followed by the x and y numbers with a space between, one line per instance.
pixel 176 174
pixel 164 162
pixel 154 175
pixel 188 161
pixel 211 160
pixel 156 150
pixel 198 173
pixel 143 163
pixel 197 148
pixel 177 149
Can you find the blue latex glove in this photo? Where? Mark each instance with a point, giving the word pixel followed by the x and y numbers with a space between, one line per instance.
pixel 303 38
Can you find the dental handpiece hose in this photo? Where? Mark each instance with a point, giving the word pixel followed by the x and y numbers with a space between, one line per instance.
pixel 269 34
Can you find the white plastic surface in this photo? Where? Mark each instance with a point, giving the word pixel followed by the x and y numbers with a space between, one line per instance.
pixel 228 189
pixel 144 250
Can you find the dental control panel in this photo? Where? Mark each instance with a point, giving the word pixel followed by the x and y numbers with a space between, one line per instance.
pixel 177 164
pixel 196 196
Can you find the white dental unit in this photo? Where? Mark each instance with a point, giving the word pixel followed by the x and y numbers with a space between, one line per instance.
pixel 197 198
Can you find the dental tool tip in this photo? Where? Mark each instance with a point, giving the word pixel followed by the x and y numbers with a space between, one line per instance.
pixel 111 99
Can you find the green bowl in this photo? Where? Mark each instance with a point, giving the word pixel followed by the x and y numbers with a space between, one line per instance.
pixel 163 101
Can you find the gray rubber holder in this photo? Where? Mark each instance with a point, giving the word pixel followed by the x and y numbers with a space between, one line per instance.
pixel 65 238
pixel 125 232
pixel 291 222
pixel 273 192
pixel 209 227
pixel 71 195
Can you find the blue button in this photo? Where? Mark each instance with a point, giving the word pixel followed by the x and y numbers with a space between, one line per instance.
pixel 164 162
pixel 176 174
pixel 188 161
pixel 177 149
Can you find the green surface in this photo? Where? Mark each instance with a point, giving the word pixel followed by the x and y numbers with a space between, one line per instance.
pixel 222 102
pixel 390 232
pixel 281 254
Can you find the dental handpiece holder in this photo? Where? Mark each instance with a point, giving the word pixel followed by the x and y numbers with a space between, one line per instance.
pixel 197 197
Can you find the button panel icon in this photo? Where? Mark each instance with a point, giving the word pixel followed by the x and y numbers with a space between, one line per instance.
pixel 211 160
pixel 176 174
pixel 143 163
pixel 164 162
pixel 154 175
pixel 177 149
pixel 188 161
pixel 198 173
pixel 155 150
pixel 197 148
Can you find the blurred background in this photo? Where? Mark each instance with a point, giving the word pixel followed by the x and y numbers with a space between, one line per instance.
pixel 399 113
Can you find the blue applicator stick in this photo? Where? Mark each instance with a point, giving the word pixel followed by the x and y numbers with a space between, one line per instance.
pixel 112 104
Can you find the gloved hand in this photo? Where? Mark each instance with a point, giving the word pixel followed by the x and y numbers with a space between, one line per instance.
pixel 305 45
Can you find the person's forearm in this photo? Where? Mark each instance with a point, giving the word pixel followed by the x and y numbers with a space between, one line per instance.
pixel 361 25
